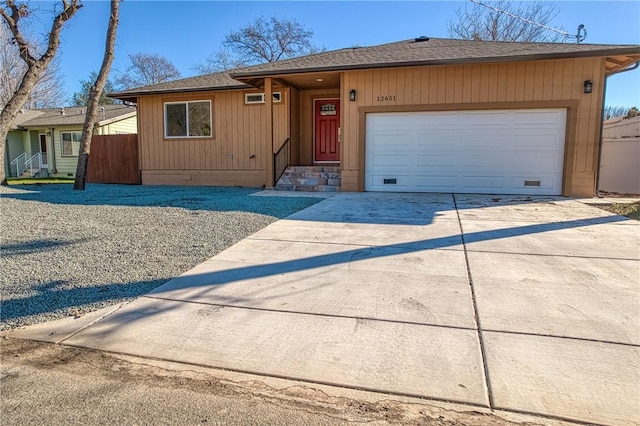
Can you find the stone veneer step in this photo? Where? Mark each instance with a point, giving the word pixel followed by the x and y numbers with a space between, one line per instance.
pixel 310 178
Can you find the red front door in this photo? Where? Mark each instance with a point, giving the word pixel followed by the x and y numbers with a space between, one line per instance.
pixel 327 123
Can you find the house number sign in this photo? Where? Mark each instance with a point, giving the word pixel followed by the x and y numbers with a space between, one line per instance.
pixel 386 98
pixel 327 109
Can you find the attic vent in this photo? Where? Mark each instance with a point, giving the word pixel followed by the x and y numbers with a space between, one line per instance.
pixel 421 38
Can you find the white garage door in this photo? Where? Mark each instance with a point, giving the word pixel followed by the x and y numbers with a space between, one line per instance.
pixel 494 152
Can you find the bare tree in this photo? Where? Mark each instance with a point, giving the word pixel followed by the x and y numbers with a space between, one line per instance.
pixel 263 40
pixel 147 69
pixel 506 21
pixel 612 111
pixel 221 60
pixel 94 97
pixel 81 98
pixel 48 92
pixel 12 14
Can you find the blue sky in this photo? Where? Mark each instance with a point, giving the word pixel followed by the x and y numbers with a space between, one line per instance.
pixel 186 32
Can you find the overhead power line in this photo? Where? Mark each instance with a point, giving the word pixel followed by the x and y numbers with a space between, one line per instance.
pixel 582 32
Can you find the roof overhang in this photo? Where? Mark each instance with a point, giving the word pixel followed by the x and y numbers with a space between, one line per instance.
pixel 302 81
pixel 133 95
pixel 619 63
pixel 117 118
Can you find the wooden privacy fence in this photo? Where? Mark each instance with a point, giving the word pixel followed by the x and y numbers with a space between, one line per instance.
pixel 114 159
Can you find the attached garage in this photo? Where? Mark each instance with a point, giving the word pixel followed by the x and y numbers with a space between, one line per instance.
pixel 519 151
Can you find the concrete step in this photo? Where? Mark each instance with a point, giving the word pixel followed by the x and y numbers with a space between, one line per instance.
pixel 308 188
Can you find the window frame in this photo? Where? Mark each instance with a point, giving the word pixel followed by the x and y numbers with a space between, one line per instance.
pixel 186 103
pixel 277 98
pixel 79 142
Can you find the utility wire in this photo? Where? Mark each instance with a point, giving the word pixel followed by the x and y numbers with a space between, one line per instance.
pixel 528 21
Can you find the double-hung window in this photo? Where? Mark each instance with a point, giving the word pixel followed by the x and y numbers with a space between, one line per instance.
pixel 70 143
pixel 187 119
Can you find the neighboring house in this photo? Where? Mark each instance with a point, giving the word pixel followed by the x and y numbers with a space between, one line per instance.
pixel 434 115
pixel 620 157
pixel 45 142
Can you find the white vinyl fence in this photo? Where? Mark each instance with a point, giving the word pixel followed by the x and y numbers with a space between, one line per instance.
pixel 620 161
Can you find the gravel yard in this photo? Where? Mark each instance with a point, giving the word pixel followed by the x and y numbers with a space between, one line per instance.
pixel 67 252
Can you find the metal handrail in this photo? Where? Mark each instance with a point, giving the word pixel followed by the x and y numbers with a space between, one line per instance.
pixel 281 162
pixel 37 159
pixel 20 163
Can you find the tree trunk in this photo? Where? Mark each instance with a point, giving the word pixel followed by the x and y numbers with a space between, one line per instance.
pixel 12 15
pixel 94 98
pixel 11 110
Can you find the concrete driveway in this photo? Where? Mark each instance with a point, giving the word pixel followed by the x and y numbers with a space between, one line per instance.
pixel 526 304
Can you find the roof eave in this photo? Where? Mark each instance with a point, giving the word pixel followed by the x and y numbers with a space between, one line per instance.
pixel 125 96
pixel 493 59
pixel 117 118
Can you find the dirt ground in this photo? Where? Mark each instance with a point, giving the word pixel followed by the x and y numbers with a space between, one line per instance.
pixel 630 210
pixel 45 383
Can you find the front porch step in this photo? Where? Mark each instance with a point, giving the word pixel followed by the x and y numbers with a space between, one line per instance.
pixel 33 172
pixel 310 178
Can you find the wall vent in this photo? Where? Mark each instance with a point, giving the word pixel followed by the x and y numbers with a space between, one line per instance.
pixel 390 181
pixel 532 183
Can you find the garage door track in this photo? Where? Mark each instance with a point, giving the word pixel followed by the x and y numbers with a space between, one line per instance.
pixel 529 304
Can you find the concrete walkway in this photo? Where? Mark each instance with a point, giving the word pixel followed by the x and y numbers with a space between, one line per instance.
pixel 524 304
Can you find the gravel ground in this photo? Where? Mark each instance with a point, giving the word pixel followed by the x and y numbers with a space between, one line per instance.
pixel 67 252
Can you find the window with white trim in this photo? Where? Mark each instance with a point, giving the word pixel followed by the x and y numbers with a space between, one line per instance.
pixel 258 98
pixel 70 143
pixel 187 119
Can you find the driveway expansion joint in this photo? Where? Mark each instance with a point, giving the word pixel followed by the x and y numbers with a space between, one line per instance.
pixel 555 336
pixel 313 314
pixel 476 317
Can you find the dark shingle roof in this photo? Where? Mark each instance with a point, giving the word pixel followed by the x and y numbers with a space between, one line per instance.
pixel 432 51
pixel 404 53
pixel 217 81
pixel 72 115
pixel 24 116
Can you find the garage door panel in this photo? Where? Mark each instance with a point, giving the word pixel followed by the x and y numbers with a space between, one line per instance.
pixel 539 118
pixel 535 183
pixel 537 164
pixel 481 183
pixel 391 161
pixel 542 141
pixel 392 140
pixel 435 161
pixel 402 182
pixel 466 151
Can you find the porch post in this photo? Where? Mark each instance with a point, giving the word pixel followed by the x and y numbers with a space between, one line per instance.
pixel 268 103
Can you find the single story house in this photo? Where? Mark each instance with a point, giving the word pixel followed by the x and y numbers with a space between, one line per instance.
pixel 427 114
pixel 50 138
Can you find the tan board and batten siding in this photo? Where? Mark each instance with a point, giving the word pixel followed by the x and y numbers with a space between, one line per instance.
pixel 223 159
pixel 526 85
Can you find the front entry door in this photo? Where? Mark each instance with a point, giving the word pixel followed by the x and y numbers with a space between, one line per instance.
pixel 43 148
pixel 327 125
